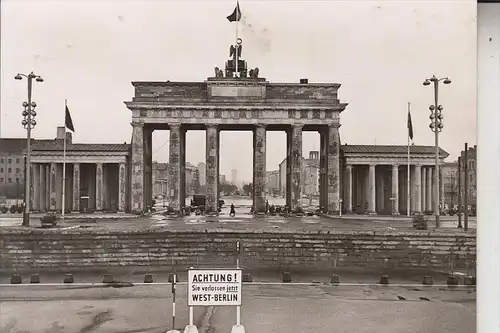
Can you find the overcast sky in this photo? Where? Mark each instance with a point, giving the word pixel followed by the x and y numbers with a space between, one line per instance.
pixel 380 51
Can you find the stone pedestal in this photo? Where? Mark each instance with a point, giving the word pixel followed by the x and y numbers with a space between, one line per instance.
pixel 99 193
pixel 137 168
pixel 76 187
pixel 122 183
pixel 395 189
pixel 349 189
pixel 333 158
pixel 371 190
pixel 259 169
pixel 212 168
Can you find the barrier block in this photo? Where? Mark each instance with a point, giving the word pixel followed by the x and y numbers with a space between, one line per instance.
pixel 171 277
pixel 191 329
pixel 108 278
pixel 452 280
pixel 16 279
pixel 428 281
pixel 35 278
pixel 470 281
pixel 287 277
pixel 247 277
pixel 335 279
pixel 68 278
pixel 384 279
pixel 148 278
pixel 238 329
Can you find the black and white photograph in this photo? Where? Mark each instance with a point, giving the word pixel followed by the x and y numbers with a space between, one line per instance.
pixel 249 166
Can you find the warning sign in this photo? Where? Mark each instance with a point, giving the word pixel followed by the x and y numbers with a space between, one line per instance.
pixel 215 287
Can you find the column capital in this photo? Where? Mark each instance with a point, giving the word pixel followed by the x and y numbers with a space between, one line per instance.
pixel 395 165
pixel 348 166
pixel 298 126
pixel 213 126
pixel 264 126
pixel 99 163
pixel 372 165
pixel 175 126
pixel 137 124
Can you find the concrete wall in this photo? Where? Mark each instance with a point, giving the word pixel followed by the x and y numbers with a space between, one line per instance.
pixel 283 250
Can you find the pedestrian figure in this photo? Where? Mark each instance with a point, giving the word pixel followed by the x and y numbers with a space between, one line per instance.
pixel 232 212
pixel 267 206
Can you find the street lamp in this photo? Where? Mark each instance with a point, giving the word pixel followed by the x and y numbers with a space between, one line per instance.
pixel 28 122
pixel 436 126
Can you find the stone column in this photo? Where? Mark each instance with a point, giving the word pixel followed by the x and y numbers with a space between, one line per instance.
pixel 148 167
pixel 349 188
pixel 296 165
pixel 137 168
pixel 417 190
pixel 35 171
pixel 288 167
pixel 122 184
pixel 212 167
pixel 371 189
pixel 76 188
pixel 53 197
pixel 441 188
pixel 175 167
pixel 99 191
pixel 323 193
pixel 259 169
pixel 43 188
pixel 333 158
pixel 429 184
pixel 395 189
pixel 47 186
pixel 423 189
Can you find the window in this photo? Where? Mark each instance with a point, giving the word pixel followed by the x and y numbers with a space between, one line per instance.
pixel 9 161
pixel 1 180
pixel 2 160
pixel 9 170
pixel 18 170
pixel 470 177
pixel 1 170
pixel 17 161
pixel 10 180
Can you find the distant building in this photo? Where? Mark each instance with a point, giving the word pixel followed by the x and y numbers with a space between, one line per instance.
pixel 450 183
pixel 282 177
pixel 202 173
pixel 273 182
pixel 12 167
pixel 222 178
pixel 310 174
pixel 234 177
pixel 160 179
pixel 471 174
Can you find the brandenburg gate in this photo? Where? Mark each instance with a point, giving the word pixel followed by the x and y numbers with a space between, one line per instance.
pixel 235 99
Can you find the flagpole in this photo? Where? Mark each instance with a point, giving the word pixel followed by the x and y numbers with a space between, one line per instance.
pixel 237 46
pixel 64 161
pixel 408 180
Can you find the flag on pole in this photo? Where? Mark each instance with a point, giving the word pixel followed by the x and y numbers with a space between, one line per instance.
pixel 68 122
pixel 410 126
pixel 236 15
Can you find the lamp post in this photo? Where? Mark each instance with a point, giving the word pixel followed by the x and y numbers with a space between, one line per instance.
pixel 436 126
pixel 28 122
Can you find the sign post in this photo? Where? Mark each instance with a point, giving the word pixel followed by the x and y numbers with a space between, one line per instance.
pixel 214 287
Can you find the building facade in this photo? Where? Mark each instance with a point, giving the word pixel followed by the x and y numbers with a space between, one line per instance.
pixel 272 184
pixel 12 168
pixel 450 179
pixel 96 177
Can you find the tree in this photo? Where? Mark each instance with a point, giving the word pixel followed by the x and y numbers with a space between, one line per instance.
pixel 248 188
pixel 228 188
